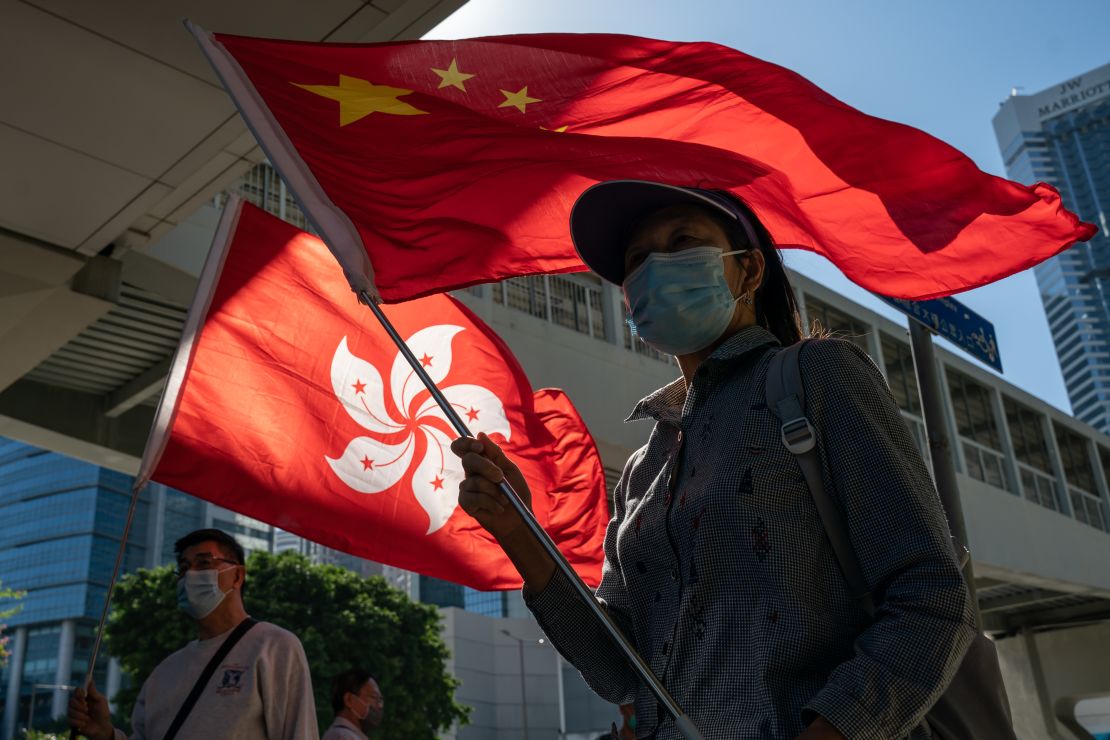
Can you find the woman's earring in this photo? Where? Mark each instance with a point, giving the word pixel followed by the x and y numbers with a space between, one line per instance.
pixel 746 299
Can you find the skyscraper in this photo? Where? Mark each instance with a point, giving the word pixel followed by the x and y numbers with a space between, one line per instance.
pixel 1061 135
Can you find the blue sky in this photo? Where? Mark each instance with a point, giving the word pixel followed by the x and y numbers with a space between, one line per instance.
pixel 942 66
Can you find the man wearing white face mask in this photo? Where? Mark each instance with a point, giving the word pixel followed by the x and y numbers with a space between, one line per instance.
pixel 240 678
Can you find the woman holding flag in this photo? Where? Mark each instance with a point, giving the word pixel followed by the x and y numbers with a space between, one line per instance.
pixel 717 565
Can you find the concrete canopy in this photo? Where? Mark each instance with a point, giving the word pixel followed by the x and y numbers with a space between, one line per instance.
pixel 114 130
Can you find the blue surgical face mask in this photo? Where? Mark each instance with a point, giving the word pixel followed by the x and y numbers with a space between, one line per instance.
pixel 679 301
pixel 198 592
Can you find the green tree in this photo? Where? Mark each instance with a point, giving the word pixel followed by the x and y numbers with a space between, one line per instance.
pixel 342 619
pixel 7 594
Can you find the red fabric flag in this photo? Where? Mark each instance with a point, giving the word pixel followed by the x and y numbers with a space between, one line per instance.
pixel 456 162
pixel 297 410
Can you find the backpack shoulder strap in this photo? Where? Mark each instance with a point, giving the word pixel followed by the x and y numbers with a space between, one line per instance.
pixel 786 400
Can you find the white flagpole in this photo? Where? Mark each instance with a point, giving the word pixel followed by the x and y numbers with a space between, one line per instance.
pixel 167 405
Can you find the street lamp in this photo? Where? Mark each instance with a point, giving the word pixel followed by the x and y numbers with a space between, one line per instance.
pixel 523 692
pixel 34 688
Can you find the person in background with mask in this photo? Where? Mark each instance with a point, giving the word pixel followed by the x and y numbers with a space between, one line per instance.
pixel 717 566
pixel 357 703
pixel 258 689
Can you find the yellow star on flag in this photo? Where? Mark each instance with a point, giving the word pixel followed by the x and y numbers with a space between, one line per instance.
pixel 452 77
pixel 359 98
pixel 560 130
pixel 517 100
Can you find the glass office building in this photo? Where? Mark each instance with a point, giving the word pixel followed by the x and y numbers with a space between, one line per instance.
pixel 1062 136
pixel 62 523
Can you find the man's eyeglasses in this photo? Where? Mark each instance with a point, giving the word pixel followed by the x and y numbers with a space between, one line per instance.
pixel 201 562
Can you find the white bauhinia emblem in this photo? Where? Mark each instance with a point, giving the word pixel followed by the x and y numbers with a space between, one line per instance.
pixel 378 461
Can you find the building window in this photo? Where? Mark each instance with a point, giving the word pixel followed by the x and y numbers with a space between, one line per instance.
pixel 490 603
pixel 1027 433
pixel 900 374
pixel 1080 474
pixel 441 593
pixel 262 187
pixel 571 301
pixel 978 429
pixel 823 317
pixel 902 379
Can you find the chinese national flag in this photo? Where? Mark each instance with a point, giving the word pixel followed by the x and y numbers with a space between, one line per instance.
pixel 295 409
pixel 432 165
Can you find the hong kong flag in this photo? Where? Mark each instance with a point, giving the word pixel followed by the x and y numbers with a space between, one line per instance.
pixel 432 165
pixel 288 402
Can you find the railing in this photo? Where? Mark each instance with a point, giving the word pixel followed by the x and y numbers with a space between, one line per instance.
pixel 984 464
pixel 1039 487
pixel 262 187
pixel 574 302
pixel 1087 508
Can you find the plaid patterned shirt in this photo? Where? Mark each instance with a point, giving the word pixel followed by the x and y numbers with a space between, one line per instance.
pixel 718 569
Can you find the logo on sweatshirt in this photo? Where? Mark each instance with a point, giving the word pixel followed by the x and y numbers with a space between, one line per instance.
pixel 231 679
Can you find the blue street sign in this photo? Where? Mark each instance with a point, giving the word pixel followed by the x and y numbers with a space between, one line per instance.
pixel 955 322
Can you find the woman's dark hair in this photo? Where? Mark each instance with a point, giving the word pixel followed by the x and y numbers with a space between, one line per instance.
pixel 776 306
pixel 347 682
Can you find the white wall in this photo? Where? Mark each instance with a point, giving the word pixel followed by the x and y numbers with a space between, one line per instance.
pixel 487 663
pixel 1075 663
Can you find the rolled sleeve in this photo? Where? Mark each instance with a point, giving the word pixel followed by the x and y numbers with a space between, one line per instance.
pixel 923 622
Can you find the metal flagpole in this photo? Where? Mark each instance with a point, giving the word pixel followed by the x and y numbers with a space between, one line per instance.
pixel 683 723
pixel 135 491
pixel 944 470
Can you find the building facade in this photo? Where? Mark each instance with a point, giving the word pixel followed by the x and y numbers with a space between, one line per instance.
pixel 63 519
pixel 1062 136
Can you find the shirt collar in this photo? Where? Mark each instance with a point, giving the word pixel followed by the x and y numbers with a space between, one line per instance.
pixel 666 403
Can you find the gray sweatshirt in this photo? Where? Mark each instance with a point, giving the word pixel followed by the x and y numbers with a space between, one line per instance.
pixel 262 690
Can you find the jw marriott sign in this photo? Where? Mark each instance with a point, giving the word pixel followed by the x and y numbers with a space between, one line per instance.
pixel 1071 94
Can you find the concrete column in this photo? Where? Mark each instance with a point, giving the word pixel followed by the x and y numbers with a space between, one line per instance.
pixel 950 417
pixel 1100 480
pixel 875 347
pixel 156 529
pixel 613 305
pixel 1063 500
pixel 15 679
pixel 111 686
pixel 1013 475
pixel 1044 698
pixel 64 673
pixel 487 299
pixel 803 314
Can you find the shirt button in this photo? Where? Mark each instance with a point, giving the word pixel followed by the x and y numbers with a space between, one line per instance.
pixel 674 574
